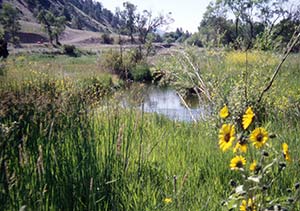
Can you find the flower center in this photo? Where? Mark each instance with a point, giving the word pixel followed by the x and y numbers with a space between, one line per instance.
pixel 259 137
pixel 227 137
pixel 239 164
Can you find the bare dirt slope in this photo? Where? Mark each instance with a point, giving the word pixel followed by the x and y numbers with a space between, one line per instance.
pixel 33 33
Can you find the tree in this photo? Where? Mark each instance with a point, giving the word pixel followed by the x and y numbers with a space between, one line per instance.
pixel 3 46
pixel 215 29
pixel 147 24
pixel 141 24
pixel 252 20
pixel 59 26
pixel 54 26
pixel 9 18
pixel 129 16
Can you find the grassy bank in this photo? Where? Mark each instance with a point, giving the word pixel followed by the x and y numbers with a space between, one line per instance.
pixel 60 151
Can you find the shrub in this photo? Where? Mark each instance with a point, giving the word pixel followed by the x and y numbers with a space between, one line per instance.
pixel 112 61
pixel 97 87
pixel 70 50
pixel 121 64
pixel 106 39
pixel 141 72
pixel 194 40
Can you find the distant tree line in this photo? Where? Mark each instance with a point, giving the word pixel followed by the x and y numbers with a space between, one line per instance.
pixel 263 24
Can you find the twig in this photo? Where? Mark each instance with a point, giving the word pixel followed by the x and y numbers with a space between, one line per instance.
pixel 290 46
pixel 187 107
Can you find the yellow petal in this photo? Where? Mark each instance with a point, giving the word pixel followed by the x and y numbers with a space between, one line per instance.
pixel 224 112
pixel 247 118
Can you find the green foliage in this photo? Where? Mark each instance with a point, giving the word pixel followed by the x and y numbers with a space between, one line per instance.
pixel 177 36
pixel 9 18
pixel 247 29
pixel 97 87
pixel 141 72
pixel 142 24
pixel 112 60
pixel 53 25
pixel 123 63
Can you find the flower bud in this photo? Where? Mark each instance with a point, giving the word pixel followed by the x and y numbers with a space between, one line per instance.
pixel 232 183
pixel 265 153
pixel 297 185
pixel 282 165
pixel 290 200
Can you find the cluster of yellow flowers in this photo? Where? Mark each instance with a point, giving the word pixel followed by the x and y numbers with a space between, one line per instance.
pixel 254 57
pixel 248 133
pixel 259 137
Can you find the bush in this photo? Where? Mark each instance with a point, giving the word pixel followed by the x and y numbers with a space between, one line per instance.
pixel 112 61
pixel 97 87
pixel 194 40
pixel 141 72
pixel 70 50
pixel 106 39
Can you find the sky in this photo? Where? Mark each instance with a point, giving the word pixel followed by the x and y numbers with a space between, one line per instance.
pixel 187 14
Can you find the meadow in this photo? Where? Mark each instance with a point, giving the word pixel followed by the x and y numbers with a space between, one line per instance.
pixel 64 146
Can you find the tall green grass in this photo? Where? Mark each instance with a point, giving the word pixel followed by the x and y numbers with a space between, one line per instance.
pixel 61 152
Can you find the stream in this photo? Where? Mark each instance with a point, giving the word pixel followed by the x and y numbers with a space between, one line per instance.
pixel 163 101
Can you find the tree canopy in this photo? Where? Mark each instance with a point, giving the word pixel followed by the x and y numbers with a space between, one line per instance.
pixel 53 25
pixel 248 23
pixel 9 18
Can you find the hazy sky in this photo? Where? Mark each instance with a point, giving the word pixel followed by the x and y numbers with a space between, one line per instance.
pixel 186 13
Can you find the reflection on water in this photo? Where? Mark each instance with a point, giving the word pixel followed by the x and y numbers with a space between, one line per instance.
pixel 163 101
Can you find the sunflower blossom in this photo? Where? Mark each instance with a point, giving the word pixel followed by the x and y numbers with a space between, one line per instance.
pixel 247 118
pixel 259 137
pixel 237 162
pixel 241 146
pixel 253 166
pixel 250 206
pixel 224 112
pixel 286 154
pixel 226 136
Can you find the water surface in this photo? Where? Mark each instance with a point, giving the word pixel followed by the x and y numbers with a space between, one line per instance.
pixel 164 101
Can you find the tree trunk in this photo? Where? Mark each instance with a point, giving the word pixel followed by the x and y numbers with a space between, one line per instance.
pixel 50 34
pixel 237 27
pixel 57 40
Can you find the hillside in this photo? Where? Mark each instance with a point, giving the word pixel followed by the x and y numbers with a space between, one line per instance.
pixel 80 14
pixel 85 19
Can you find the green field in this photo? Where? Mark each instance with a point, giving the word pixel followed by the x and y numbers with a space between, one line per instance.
pixel 65 147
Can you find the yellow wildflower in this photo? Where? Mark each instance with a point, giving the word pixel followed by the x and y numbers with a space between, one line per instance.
pixel 286 154
pixel 237 162
pixel 253 165
pixel 247 118
pixel 250 206
pixel 226 136
pixel 259 137
pixel 224 112
pixel 167 200
pixel 241 146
